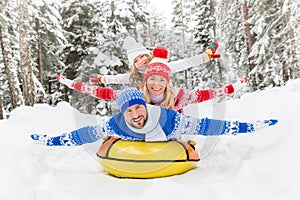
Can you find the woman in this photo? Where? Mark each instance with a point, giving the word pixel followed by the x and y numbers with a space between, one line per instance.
pixel 139 57
pixel 157 90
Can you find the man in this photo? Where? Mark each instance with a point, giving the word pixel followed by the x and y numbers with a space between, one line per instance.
pixel 140 121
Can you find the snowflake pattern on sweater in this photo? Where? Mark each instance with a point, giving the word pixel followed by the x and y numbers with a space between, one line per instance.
pixel 186 97
pixel 183 97
pixel 168 125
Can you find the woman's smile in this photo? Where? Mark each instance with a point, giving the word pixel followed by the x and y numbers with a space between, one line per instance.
pixel 156 84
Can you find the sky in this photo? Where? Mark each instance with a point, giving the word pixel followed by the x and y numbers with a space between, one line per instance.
pixel 261 165
pixel 163 7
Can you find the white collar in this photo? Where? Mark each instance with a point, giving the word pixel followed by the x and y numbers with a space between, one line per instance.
pixel 152 130
pixel 157 99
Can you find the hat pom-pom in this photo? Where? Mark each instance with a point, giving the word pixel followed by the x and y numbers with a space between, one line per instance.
pixel 160 52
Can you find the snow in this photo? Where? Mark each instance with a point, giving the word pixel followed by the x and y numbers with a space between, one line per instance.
pixel 263 165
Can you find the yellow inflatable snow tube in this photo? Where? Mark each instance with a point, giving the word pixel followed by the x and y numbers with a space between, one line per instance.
pixel 137 159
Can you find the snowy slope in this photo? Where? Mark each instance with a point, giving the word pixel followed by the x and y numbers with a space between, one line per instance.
pixel 263 165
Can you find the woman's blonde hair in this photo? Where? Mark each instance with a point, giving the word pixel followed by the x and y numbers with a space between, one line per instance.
pixel 136 77
pixel 169 96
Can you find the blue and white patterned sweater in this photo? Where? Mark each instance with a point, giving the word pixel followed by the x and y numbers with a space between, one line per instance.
pixel 162 125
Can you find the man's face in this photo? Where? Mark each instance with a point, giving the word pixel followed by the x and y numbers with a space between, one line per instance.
pixel 136 115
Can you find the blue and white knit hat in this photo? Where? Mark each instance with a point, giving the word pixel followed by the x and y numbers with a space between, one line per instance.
pixel 129 96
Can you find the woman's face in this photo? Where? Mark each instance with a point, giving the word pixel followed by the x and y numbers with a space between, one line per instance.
pixel 156 84
pixel 141 62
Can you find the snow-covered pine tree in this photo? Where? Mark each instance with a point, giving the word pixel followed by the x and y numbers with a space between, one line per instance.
pixel 47 43
pixel 292 65
pixel 1 110
pixel 76 21
pixel 28 86
pixel 10 90
pixel 125 17
pixel 80 30
pixel 116 20
pixel 157 31
pixel 274 52
pixel 201 75
pixel 231 32
pixel 179 50
pixel 100 27
pixel 210 74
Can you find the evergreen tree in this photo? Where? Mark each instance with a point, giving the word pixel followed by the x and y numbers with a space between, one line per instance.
pixel 47 44
pixel 210 74
pixel 178 26
pixel 202 37
pixel 202 31
pixel 272 47
pixel 100 48
pixel 234 57
pixel 77 16
pixel 157 31
pixel 28 86
pixel 10 74
pixel 291 64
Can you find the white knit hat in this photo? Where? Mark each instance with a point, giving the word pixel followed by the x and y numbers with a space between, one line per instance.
pixel 134 49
